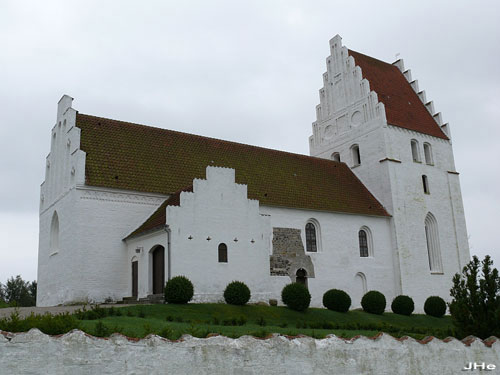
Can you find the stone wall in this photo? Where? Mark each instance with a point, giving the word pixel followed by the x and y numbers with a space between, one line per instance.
pixel 78 353
pixel 288 254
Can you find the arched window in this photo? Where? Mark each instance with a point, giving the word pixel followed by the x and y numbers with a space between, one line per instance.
pixel 365 242
pixel 415 152
pixel 356 156
pixel 222 253
pixel 336 156
pixel 54 233
pixel 425 184
pixel 428 154
pixel 433 248
pixel 311 244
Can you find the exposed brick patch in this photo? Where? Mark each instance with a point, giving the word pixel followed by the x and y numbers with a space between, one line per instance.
pixel 288 254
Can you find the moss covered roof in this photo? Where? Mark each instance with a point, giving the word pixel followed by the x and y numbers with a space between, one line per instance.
pixel 129 156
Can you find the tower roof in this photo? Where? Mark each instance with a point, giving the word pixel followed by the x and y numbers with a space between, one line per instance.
pixel 135 157
pixel 402 105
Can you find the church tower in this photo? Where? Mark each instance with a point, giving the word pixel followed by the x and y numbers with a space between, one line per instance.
pixel 373 117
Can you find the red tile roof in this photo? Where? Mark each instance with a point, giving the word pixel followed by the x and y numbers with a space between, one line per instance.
pixel 402 105
pixel 129 156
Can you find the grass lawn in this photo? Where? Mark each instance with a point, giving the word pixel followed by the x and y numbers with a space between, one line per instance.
pixel 199 320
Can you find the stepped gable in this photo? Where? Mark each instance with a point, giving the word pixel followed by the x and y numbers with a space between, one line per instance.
pixel 402 105
pixel 123 155
pixel 159 217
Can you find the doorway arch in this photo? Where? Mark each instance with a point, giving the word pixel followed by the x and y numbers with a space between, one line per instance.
pixel 301 277
pixel 158 269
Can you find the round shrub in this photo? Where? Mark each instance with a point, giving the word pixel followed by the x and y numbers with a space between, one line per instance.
pixel 435 306
pixel 373 302
pixel 337 300
pixel 236 293
pixel 179 290
pixel 296 296
pixel 402 305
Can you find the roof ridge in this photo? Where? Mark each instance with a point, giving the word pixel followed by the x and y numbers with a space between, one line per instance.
pixel 370 57
pixel 211 138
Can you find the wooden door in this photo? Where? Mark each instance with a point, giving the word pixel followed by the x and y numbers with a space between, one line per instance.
pixel 158 270
pixel 135 279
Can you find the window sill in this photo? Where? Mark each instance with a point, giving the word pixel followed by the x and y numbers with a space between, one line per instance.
pixel 437 273
pixel 430 164
pixel 417 161
pixel 355 165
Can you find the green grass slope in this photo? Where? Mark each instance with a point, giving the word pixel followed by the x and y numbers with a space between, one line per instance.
pixel 200 320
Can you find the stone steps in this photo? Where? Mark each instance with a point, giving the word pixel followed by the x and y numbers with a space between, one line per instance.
pixel 150 299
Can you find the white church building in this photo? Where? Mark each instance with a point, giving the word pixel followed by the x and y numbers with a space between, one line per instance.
pixel 377 206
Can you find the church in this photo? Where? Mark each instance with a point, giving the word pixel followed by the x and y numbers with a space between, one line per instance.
pixel 376 206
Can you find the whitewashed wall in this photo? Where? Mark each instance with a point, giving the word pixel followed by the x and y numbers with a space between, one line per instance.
pixel 146 244
pixel 349 113
pixel 78 353
pixel 91 263
pixel 219 209
pixel 411 205
pixel 338 260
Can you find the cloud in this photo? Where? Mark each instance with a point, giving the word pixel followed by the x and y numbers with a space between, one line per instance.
pixel 248 72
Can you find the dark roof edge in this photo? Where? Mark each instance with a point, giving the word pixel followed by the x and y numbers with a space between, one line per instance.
pixel 133 235
pixel 211 138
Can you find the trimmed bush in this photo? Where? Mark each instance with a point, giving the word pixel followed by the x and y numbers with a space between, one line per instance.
pixel 296 296
pixel 373 302
pixel 337 300
pixel 236 293
pixel 435 306
pixel 179 290
pixel 402 305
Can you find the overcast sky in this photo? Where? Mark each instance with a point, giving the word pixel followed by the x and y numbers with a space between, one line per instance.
pixel 242 71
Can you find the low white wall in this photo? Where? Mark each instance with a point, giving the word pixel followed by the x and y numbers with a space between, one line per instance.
pixel 78 353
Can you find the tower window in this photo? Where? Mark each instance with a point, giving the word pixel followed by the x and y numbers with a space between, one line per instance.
pixel 336 156
pixel 428 154
pixel 415 152
pixel 356 156
pixel 425 184
pixel 222 253
pixel 311 244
